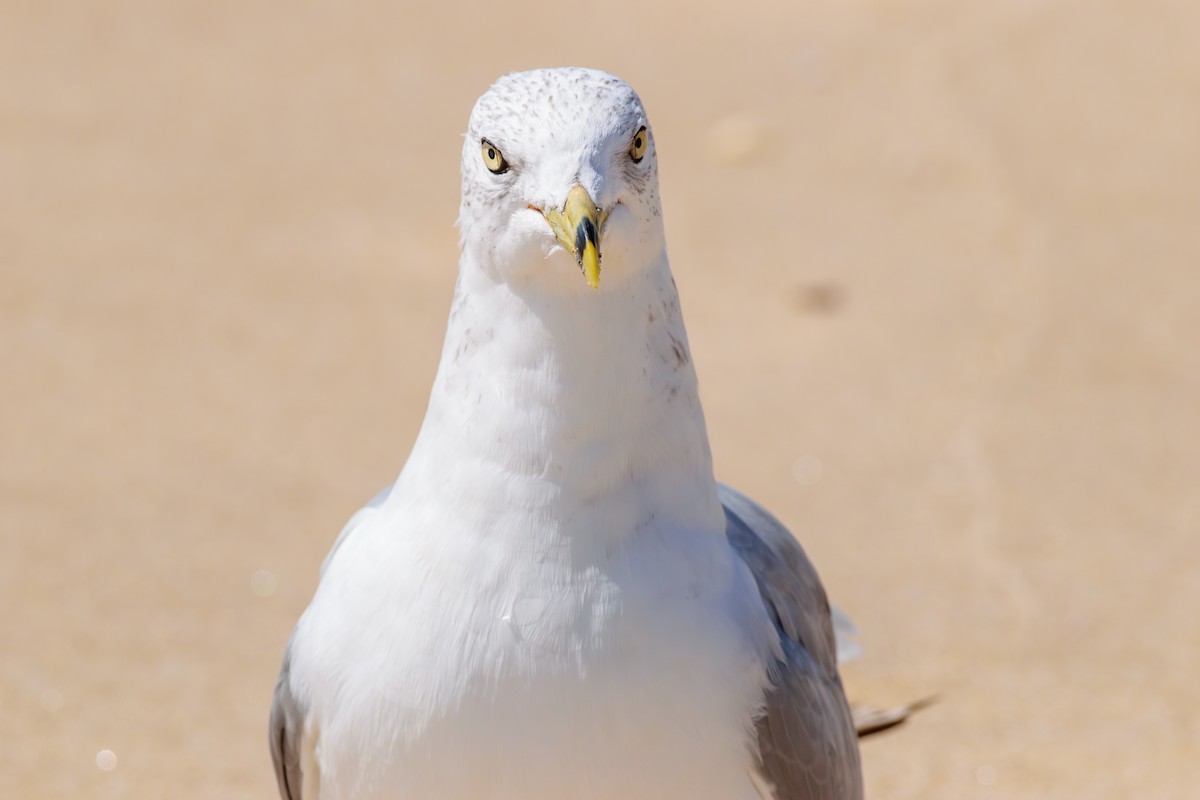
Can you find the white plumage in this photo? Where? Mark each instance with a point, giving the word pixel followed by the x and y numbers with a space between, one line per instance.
pixel 552 601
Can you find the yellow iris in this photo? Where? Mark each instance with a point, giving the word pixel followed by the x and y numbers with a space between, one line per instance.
pixel 641 141
pixel 493 159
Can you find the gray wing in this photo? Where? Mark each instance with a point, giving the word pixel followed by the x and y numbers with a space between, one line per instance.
pixel 286 727
pixel 287 716
pixel 806 736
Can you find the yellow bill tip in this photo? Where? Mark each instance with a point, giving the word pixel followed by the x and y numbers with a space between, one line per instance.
pixel 590 261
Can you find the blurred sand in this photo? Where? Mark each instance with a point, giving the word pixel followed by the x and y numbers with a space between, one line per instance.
pixel 941 266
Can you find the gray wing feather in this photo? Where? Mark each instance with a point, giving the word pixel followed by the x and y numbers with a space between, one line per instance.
pixel 286 727
pixel 287 717
pixel 846 634
pixel 806 736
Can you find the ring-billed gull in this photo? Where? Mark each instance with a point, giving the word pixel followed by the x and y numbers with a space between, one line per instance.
pixel 556 599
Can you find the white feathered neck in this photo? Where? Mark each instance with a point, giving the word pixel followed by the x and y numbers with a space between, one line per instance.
pixel 551 396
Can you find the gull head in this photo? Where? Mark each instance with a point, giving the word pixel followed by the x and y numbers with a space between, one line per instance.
pixel 560 182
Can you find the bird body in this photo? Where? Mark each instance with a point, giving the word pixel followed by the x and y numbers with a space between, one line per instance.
pixel 554 599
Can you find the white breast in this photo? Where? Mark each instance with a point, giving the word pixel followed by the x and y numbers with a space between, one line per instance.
pixel 454 666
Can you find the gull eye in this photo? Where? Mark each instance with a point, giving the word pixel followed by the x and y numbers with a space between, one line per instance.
pixel 493 159
pixel 637 148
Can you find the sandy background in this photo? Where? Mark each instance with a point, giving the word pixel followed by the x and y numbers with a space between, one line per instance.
pixel 941 267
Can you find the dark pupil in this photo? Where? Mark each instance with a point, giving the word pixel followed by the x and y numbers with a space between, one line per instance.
pixel 638 143
pixel 491 153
